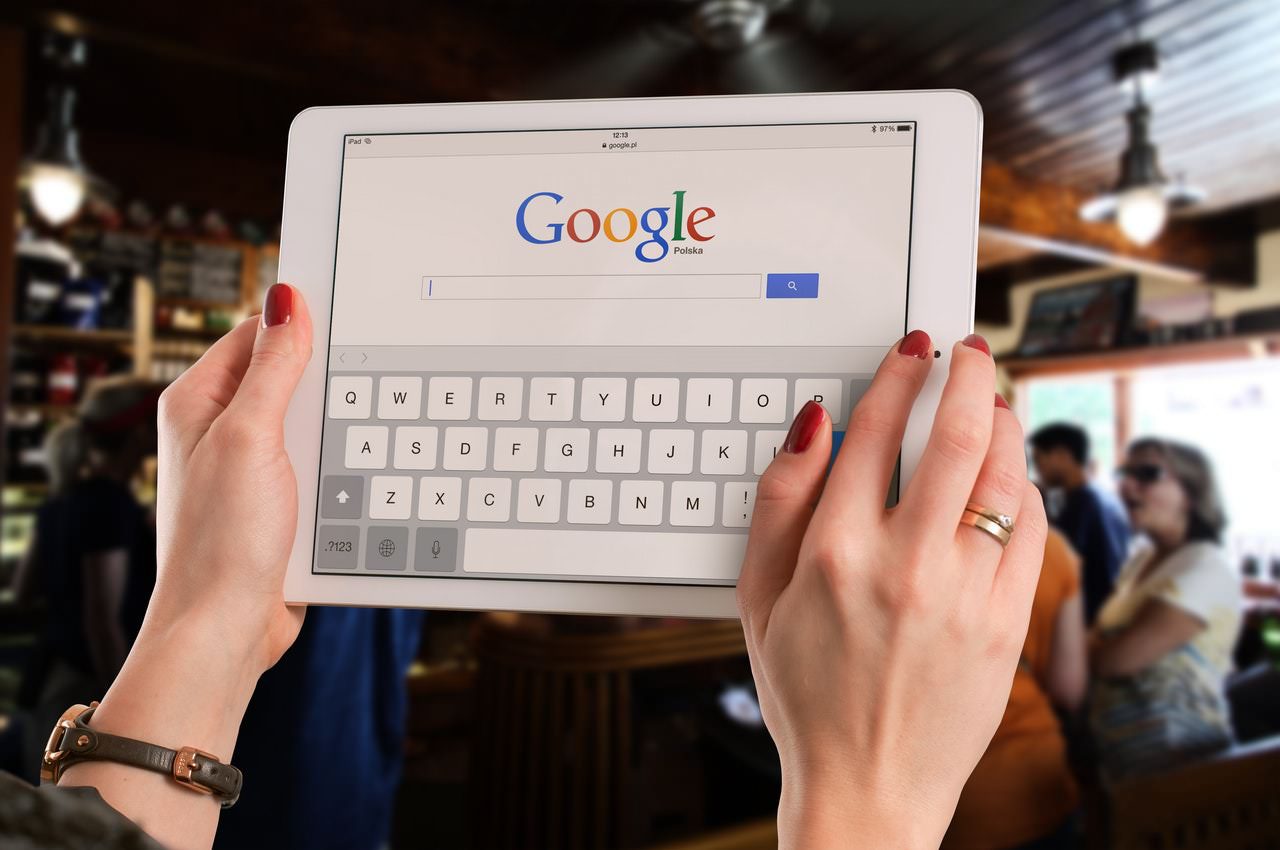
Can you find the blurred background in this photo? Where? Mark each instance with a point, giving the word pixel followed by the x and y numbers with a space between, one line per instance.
pixel 1128 281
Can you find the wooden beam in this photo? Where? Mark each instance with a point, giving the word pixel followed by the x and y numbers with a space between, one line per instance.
pixel 12 51
pixel 1220 249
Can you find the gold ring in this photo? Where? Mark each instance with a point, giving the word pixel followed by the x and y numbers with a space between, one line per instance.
pixel 1003 520
pixel 985 523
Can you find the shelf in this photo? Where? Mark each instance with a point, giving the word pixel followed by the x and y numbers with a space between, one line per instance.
pixel 50 411
pixel 60 335
pixel 198 303
pixel 185 335
pixel 1229 348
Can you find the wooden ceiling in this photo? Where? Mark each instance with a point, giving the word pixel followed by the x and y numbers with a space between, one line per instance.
pixel 177 101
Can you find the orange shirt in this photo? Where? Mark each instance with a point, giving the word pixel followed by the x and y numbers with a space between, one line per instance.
pixel 1022 787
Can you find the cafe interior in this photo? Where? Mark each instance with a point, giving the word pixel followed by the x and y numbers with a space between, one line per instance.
pixel 1128 282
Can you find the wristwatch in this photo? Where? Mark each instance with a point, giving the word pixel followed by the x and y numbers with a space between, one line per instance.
pixel 72 741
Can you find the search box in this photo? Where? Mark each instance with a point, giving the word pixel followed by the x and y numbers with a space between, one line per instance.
pixel 594 287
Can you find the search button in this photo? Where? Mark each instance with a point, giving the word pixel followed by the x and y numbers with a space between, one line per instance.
pixel 791 286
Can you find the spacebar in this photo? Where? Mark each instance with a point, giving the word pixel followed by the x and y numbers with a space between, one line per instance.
pixel 630 554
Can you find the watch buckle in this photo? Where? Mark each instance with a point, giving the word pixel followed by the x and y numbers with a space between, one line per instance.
pixel 50 765
pixel 185 762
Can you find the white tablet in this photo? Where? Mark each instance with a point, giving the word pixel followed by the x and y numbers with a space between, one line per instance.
pixel 556 343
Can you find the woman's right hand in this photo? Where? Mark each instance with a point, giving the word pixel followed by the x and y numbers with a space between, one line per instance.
pixel 884 641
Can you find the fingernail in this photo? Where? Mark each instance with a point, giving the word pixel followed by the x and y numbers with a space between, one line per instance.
pixel 277 307
pixel 802 432
pixel 1000 402
pixel 916 344
pixel 976 341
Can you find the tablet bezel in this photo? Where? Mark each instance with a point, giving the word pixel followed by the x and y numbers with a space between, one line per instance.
pixel 940 297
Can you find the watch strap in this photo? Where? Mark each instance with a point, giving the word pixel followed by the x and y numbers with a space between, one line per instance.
pixel 197 770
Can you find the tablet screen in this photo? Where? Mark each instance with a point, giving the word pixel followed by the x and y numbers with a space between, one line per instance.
pixel 569 354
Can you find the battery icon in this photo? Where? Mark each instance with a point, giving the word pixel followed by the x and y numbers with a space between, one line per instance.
pixel 904 128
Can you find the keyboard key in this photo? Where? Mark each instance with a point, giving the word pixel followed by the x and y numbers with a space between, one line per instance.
pixel 670 452
pixel 739 503
pixel 656 400
pixel 449 398
pixel 416 447
pixel 590 501
pixel 763 400
pixel 342 497
pixel 515 449
pixel 618 450
pixel 709 400
pixel 435 549
pixel 388 548
pixel 768 444
pixel 390 497
pixel 709 555
pixel 400 398
pixel 489 499
pixel 337 547
pixel 724 453
pixel 826 392
pixel 538 500
pixel 350 397
pixel 604 399
pixel 500 399
pixel 567 450
pixel 640 503
pixel 551 399
pixel 693 503
pixel 439 498
pixel 366 447
pixel 465 448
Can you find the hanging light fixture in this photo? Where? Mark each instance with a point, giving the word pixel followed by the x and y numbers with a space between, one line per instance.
pixel 54 175
pixel 1142 197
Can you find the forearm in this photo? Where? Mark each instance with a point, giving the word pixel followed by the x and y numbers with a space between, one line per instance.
pixel 179 687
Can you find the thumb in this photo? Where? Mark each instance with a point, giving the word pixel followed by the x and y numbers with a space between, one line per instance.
pixel 281 350
pixel 785 498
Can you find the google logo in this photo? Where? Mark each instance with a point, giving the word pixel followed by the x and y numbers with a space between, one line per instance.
pixel 618 225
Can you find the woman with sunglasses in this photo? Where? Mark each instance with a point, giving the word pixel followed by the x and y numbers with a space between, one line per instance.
pixel 1161 648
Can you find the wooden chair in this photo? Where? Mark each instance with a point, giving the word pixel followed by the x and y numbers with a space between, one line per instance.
pixel 1228 802
pixel 551 755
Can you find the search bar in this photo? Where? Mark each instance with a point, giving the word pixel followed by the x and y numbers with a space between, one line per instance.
pixel 594 287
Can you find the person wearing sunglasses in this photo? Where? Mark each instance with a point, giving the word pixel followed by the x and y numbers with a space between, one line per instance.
pixel 1160 650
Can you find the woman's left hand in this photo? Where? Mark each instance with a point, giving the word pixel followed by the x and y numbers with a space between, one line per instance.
pixel 226 496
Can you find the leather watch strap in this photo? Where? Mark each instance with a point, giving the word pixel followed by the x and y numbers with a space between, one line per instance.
pixel 199 771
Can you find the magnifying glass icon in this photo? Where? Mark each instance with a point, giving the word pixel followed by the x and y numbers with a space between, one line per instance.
pixel 791 284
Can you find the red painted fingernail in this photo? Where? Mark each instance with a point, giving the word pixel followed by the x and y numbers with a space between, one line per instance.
pixel 277 307
pixel 806 426
pixel 976 341
pixel 1000 402
pixel 916 344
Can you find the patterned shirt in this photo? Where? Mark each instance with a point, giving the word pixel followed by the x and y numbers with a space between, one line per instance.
pixel 1175 710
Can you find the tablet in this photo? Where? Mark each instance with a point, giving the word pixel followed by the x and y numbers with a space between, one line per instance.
pixel 556 343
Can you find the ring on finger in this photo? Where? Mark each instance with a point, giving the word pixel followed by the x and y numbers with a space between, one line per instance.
pixel 998 525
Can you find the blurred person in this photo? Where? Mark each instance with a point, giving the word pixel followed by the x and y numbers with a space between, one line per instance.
pixel 1161 649
pixel 877 730
pixel 93 554
pixel 1090 518
pixel 1022 793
